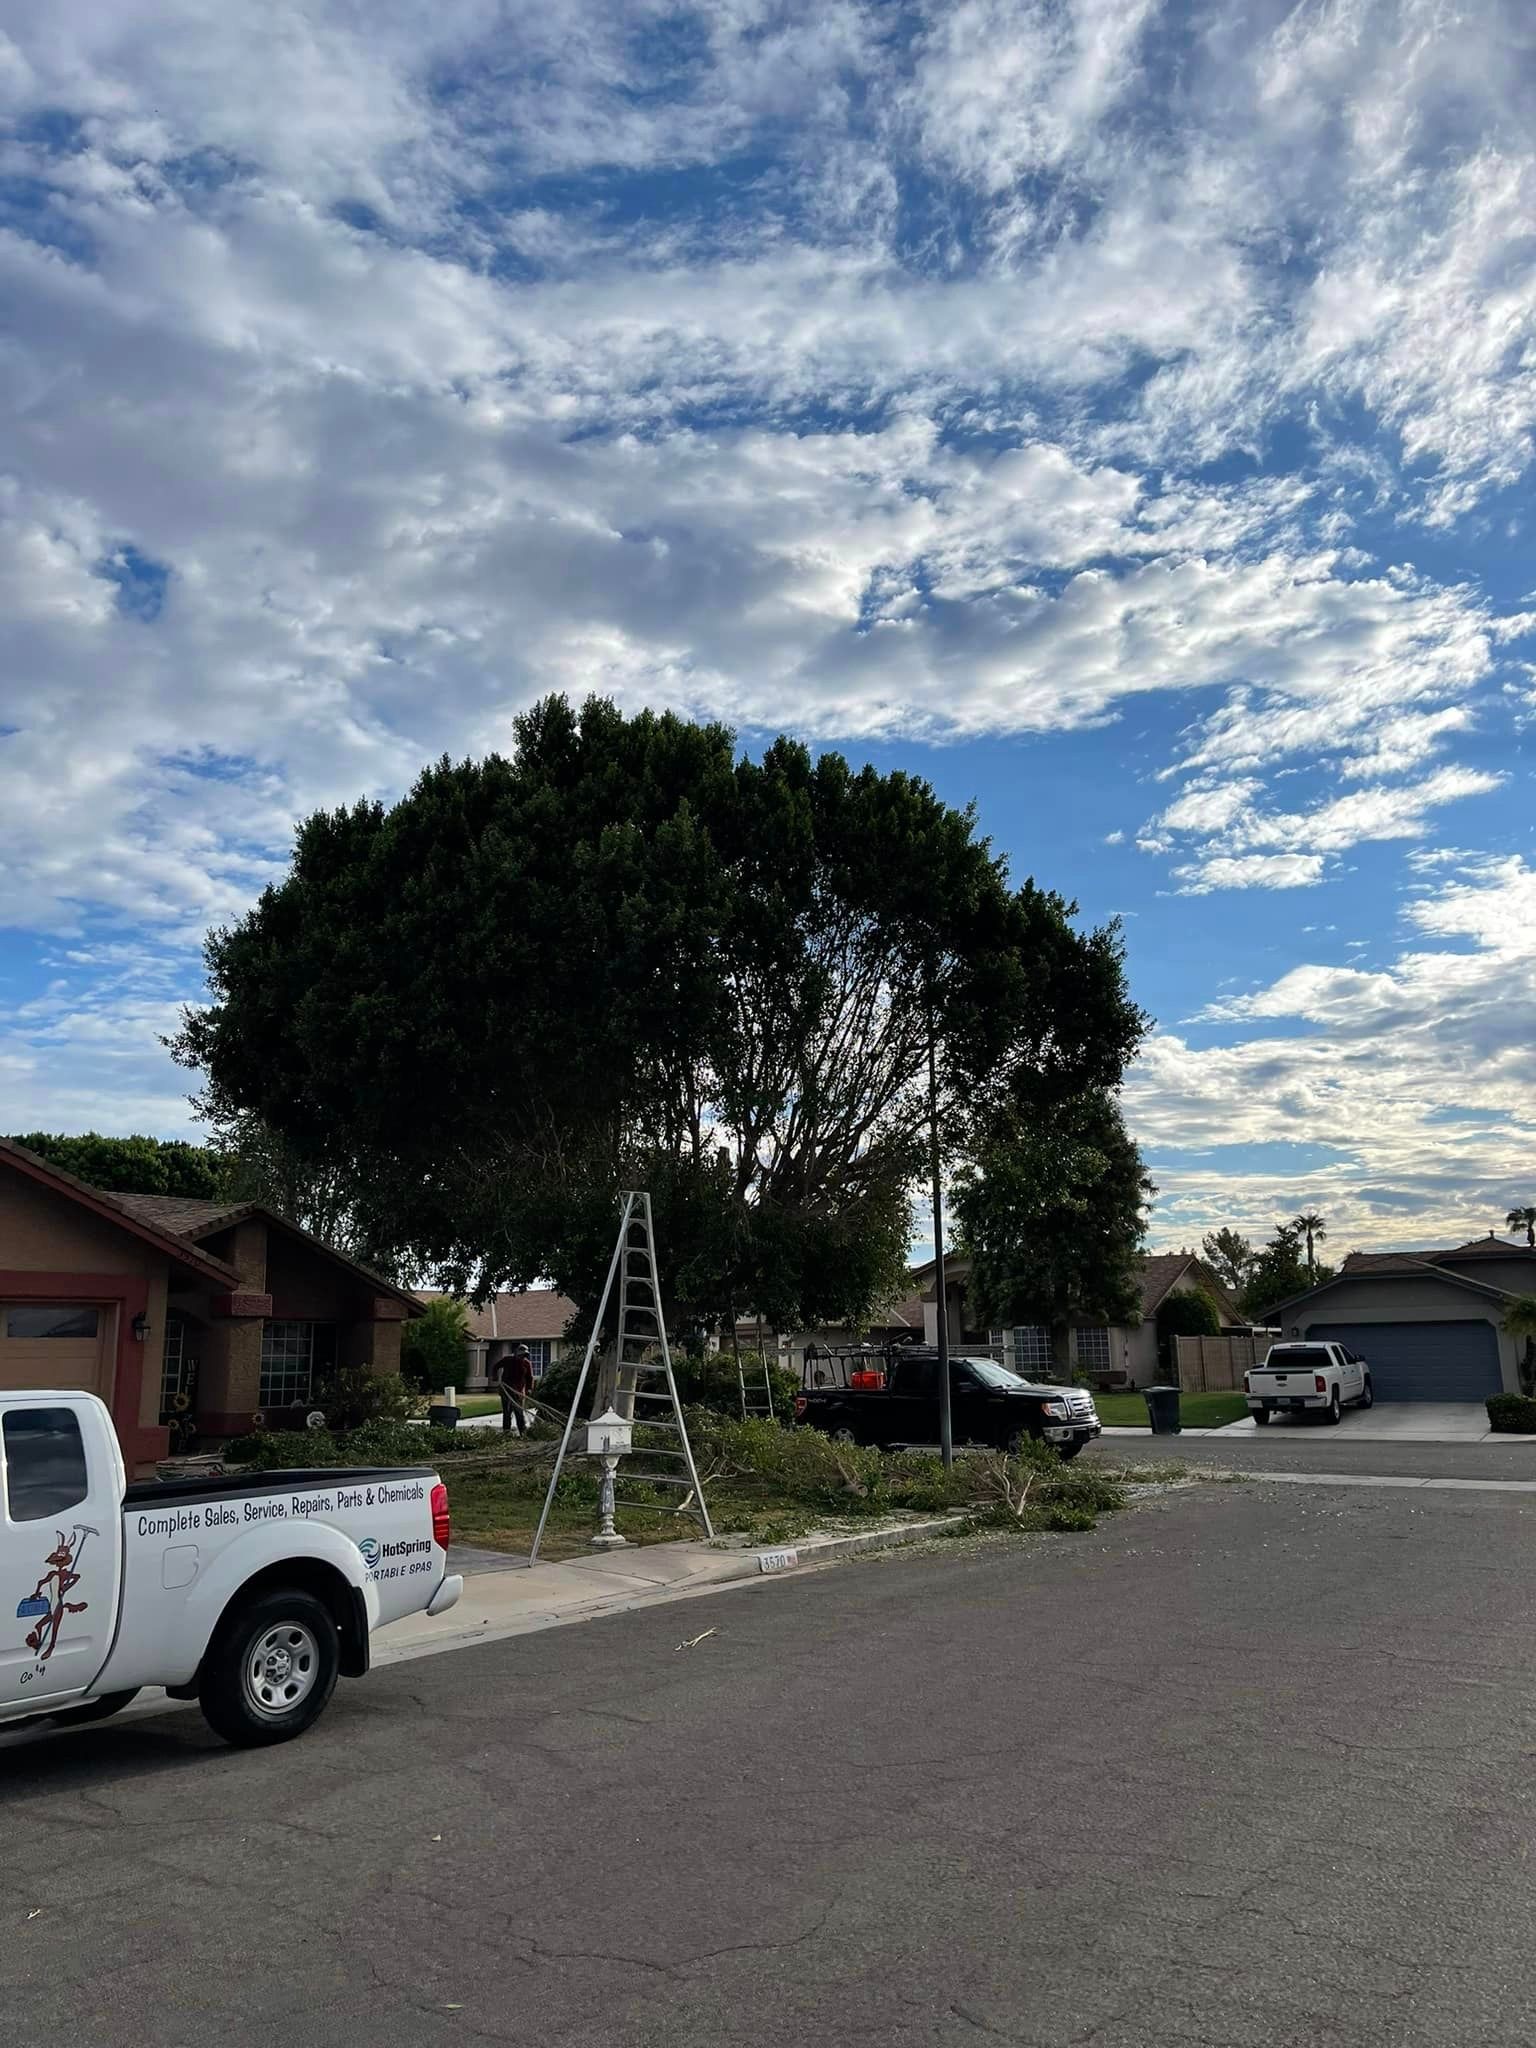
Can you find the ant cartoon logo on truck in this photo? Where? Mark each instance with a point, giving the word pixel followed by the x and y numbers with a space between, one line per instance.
pixel 49 1602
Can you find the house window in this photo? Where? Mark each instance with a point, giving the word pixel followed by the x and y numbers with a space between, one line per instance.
pixel 64 1320
pixel 1092 1348
pixel 538 1351
pixel 1031 1349
pixel 290 1354
pixel 171 1361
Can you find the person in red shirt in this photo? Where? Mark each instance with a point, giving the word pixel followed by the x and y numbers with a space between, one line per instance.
pixel 514 1383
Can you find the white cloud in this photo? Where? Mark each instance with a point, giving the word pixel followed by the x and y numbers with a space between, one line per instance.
pixel 1250 871
pixel 405 345
pixel 1382 1077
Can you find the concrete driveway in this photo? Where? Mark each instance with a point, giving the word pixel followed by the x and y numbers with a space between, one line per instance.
pixel 1414 1422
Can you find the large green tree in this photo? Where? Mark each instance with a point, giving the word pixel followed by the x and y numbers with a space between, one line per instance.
pixel 1230 1257
pixel 1281 1272
pixel 132 1166
pixel 1051 1211
pixel 626 956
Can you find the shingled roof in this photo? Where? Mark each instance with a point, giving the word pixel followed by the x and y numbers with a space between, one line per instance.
pixel 536 1312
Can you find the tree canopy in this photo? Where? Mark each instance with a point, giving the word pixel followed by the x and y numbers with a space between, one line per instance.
pixel 1280 1272
pixel 1051 1211
pixel 1230 1257
pixel 432 1346
pixel 132 1166
pixel 627 956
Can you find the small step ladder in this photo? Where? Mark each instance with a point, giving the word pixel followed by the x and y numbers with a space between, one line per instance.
pixel 756 1398
pixel 638 1381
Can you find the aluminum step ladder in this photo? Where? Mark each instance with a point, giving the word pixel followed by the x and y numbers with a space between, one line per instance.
pixel 638 1382
pixel 756 1395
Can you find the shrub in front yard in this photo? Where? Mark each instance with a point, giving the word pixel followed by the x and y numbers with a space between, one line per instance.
pixel 376 1443
pixel 803 1466
pixel 1512 1414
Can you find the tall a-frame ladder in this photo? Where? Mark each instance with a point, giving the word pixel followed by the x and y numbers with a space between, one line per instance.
pixel 638 1381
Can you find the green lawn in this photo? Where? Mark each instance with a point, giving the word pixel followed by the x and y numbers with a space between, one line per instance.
pixel 1196 1411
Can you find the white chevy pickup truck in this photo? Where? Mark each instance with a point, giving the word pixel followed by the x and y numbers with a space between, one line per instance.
pixel 249 1594
pixel 1295 1378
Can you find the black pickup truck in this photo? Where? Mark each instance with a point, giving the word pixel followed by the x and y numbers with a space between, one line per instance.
pixel 988 1405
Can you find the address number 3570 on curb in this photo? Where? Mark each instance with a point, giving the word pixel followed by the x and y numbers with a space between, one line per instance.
pixel 777 1560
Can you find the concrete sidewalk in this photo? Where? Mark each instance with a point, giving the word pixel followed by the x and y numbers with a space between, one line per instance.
pixel 505 1596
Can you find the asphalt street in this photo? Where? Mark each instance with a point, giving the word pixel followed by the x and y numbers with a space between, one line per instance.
pixel 1313 1447
pixel 1246 1765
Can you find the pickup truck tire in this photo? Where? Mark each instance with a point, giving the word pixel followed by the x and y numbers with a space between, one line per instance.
pixel 270 1669
pixel 1334 1409
pixel 844 1436
pixel 94 1710
pixel 1067 1452
pixel 1260 1416
pixel 1368 1396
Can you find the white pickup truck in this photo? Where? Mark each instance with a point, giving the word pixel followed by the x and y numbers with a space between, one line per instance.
pixel 249 1594
pixel 1297 1378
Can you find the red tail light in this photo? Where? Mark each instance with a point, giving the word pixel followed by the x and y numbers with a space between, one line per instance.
pixel 1247 1384
pixel 801 1404
pixel 1320 1383
pixel 442 1521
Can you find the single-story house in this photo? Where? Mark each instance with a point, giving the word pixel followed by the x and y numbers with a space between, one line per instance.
pixel 537 1317
pixel 156 1304
pixel 1427 1323
pixel 1108 1353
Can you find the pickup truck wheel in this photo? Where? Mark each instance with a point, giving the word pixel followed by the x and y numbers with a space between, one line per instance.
pixel 1067 1452
pixel 1260 1415
pixel 94 1710
pixel 1367 1397
pixel 270 1669
pixel 1334 1408
pixel 844 1436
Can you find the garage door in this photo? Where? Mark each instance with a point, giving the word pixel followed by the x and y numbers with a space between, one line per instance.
pixel 1423 1361
pixel 52 1345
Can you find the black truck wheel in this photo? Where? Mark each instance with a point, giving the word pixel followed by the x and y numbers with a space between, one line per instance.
pixel 1260 1415
pixel 270 1669
pixel 844 1435
pixel 1067 1452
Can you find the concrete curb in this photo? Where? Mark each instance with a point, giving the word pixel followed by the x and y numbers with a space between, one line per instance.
pixel 721 1570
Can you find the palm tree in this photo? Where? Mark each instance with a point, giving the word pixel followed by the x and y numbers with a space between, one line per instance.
pixel 1523 1219
pixel 1520 1321
pixel 1314 1230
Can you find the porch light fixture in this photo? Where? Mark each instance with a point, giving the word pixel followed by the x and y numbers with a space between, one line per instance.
pixel 140 1327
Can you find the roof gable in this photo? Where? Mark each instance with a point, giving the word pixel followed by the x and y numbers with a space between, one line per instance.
pixel 1387 1267
pixel 112 1210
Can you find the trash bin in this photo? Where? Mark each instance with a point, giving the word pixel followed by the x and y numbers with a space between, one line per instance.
pixel 1163 1410
pixel 442 1416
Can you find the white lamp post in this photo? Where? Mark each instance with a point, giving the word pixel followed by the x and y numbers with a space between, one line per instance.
pixel 609 1437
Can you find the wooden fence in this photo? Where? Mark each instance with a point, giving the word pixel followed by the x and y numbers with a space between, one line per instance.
pixel 1210 1365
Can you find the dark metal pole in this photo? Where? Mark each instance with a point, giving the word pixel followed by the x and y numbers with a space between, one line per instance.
pixel 946 1427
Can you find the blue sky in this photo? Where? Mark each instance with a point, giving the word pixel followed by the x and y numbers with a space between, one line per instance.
pixel 1120 413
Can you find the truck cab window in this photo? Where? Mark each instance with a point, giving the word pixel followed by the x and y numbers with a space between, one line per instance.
pixel 45 1470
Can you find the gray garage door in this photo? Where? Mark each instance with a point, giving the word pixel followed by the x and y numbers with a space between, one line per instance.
pixel 1423 1361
